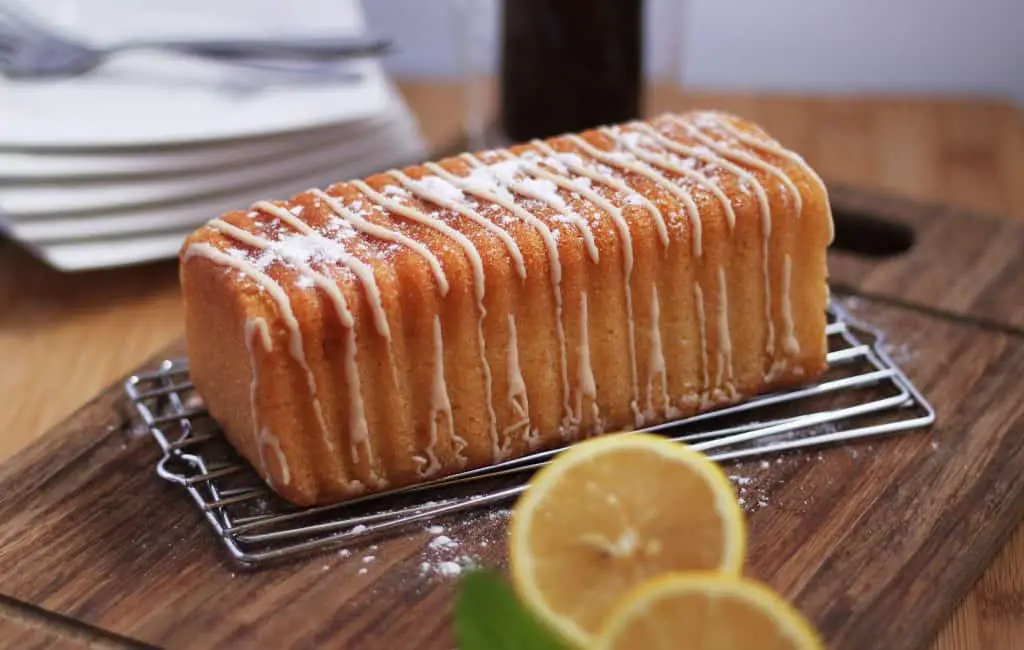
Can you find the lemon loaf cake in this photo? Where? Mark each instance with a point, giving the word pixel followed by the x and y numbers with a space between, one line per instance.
pixel 383 332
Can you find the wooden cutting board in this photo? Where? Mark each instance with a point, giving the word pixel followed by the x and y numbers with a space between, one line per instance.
pixel 875 541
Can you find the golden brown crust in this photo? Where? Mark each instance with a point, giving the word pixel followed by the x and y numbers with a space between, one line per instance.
pixel 342 363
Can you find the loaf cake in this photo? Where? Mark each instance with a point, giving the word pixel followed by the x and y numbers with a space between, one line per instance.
pixel 384 332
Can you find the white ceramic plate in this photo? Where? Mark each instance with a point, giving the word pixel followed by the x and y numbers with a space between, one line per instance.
pixel 149 99
pixel 24 201
pixel 402 147
pixel 19 167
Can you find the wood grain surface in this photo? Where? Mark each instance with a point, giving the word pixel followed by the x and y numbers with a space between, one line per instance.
pixel 31 628
pixel 17 633
pixel 63 337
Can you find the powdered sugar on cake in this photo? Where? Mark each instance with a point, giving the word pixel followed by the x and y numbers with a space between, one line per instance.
pixel 557 194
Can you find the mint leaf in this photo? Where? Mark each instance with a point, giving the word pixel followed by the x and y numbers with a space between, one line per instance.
pixel 488 616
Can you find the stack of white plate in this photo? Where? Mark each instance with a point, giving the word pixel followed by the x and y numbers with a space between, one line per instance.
pixel 117 166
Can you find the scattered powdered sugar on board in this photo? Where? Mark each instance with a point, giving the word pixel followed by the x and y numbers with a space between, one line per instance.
pixel 449 548
pixel 443 541
pixel 750 492
pixel 459 543
pixel 448 569
pixel 452 549
pixel 756 480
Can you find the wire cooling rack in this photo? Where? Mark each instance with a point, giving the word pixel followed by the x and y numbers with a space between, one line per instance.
pixel 863 394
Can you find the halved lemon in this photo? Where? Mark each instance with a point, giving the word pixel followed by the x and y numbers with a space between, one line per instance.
pixel 610 513
pixel 705 612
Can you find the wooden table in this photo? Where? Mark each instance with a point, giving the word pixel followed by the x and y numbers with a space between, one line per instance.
pixel 64 337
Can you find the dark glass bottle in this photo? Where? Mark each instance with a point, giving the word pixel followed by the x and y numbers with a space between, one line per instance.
pixel 568 65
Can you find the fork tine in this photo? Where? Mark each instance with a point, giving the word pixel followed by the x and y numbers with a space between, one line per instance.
pixel 15 15
pixel 21 20
pixel 10 30
pixel 12 41
pixel 7 44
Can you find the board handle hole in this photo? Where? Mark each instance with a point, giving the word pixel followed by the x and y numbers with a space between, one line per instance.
pixel 870 235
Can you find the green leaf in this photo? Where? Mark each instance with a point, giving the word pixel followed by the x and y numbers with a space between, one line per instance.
pixel 488 616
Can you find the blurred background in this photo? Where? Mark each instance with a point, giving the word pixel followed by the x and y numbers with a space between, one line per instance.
pixel 843 46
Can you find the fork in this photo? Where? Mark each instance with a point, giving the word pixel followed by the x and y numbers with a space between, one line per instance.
pixel 30 49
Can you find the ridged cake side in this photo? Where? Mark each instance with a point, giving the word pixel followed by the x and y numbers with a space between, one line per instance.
pixel 450 315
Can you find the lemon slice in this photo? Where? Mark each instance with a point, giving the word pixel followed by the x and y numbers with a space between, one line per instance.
pixel 612 512
pixel 705 612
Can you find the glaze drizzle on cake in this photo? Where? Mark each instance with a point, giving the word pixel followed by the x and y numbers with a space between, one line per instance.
pixel 642 177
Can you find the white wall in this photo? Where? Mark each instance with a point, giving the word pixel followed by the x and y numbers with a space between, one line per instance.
pixel 957 46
